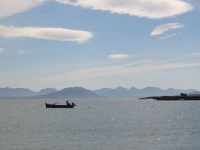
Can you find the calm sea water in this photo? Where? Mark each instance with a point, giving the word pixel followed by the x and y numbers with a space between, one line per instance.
pixel 124 124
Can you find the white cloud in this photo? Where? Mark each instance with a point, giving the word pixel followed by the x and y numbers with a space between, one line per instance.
pixel 165 27
pixel 1 50
pixel 59 34
pixel 153 9
pixel 12 7
pixel 118 56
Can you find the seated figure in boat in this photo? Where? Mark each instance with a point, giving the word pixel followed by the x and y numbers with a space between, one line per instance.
pixel 73 104
pixel 67 103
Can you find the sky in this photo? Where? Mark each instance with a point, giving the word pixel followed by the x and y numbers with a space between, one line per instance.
pixel 97 44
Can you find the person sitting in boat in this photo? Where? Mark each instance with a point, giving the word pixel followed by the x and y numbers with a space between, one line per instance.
pixel 73 104
pixel 67 103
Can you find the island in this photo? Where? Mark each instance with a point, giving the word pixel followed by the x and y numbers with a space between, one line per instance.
pixel 181 97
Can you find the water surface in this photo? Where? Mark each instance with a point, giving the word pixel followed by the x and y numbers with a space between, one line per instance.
pixel 123 124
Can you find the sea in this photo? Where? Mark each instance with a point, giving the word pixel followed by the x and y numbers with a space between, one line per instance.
pixel 100 124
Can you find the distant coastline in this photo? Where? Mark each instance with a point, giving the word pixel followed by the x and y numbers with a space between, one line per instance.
pixel 181 97
pixel 79 92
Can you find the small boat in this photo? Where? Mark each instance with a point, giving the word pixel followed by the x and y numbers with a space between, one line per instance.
pixel 59 106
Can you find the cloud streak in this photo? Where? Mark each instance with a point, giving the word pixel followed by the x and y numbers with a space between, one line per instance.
pixel 22 52
pixel 1 50
pixel 108 71
pixel 195 55
pixel 159 30
pixel 58 34
pixel 12 7
pixel 167 36
pixel 141 8
pixel 118 56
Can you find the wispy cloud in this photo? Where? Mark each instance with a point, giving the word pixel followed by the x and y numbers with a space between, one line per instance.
pixel 118 56
pixel 1 50
pixel 22 52
pixel 12 7
pixel 153 9
pixel 195 55
pixel 108 71
pixel 59 34
pixel 167 36
pixel 159 30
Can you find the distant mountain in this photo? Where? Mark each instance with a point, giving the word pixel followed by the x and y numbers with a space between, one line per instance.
pixel 22 92
pixel 16 92
pixel 109 93
pixel 79 92
pixel 71 93
pixel 135 93
pixel 46 91
pixel 195 93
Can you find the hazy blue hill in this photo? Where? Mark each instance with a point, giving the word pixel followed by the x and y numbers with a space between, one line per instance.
pixel 16 92
pixel 118 92
pixel 22 92
pixel 79 92
pixel 110 93
pixel 121 89
pixel 195 93
pixel 172 91
pixel 152 91
pixel 46 91
pixel 135 93
pixel 72 92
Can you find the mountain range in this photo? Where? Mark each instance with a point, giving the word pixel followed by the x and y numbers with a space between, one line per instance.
pixel 133 92
pixel 79 92
pixel 23 92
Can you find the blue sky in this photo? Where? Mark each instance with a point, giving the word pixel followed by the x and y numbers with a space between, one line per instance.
pixel 96 44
